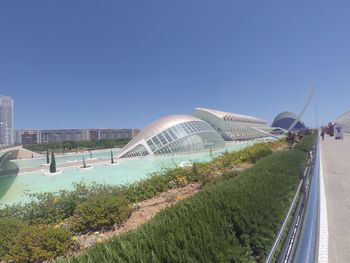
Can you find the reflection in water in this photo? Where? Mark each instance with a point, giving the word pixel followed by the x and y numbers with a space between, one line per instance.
pixel 8 174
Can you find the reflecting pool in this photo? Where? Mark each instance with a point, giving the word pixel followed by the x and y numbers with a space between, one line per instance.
pixel 15 189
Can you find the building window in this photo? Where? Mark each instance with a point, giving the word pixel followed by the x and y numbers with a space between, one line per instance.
pixel 157 142
pixel 172 133
pixel 151 145
pixel 162 139
pixel 167 136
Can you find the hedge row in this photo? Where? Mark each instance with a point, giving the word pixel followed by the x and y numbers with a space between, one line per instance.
pixel 20 242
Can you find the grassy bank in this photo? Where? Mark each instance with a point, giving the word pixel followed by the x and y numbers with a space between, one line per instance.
pixel 234 219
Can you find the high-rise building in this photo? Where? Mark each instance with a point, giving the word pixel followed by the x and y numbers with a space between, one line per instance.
pixel 7 133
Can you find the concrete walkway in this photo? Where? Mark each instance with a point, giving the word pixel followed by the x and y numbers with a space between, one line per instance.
pixel 69 165
pixel 336 171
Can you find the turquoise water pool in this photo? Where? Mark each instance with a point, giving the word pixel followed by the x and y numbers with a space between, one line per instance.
pixel 14 189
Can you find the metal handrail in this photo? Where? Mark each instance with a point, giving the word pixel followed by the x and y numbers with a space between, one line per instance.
pixel 300 205
pixel 307 246
pixel 283 228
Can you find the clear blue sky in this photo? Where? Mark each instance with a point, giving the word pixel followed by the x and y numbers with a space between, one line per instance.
pixel 80 64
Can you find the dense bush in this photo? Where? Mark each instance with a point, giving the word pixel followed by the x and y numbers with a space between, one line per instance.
pixel 100 211
pixel 232 220
pixel 22 243
pixel 307 143
pixel 48 208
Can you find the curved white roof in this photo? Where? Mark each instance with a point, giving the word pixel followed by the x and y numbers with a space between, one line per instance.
pixel 229 115
pixel 158 126
pixel 285 114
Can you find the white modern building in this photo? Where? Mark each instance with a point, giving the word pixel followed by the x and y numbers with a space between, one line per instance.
pixel 234 126
pixel 7 132
pixel 173 134
pixel 288 121
pixel 344 121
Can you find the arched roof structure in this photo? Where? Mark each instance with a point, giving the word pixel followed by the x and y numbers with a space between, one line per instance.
pixel 233 126
pixel 173 134
pixel 285 119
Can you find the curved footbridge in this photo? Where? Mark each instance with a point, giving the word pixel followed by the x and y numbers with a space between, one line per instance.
pixel 11 153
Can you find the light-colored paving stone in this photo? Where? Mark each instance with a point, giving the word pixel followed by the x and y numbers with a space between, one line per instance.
pixel 336 171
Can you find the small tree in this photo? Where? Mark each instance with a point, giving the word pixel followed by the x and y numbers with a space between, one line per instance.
pixel 47 157
pixel 53 163
pixel 84 163
pixel 112 159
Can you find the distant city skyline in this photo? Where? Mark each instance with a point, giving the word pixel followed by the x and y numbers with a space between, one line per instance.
pixel 33 136
pixel 122 64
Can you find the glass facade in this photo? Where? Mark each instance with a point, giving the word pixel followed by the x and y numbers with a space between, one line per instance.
pixel 285 123
pixel 139 150
pixel 184 137
pixel 286 119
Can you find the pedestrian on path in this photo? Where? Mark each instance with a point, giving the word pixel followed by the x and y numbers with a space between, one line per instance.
pixel 322 135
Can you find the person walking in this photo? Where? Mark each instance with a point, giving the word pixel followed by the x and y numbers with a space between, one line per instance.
pixel 322 134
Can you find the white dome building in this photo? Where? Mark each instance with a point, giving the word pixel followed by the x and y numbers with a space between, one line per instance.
pixel 173 134
pixel 286 119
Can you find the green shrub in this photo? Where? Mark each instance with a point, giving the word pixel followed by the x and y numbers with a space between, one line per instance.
pixel 100 212
pixel 22 243
pixel 48 208
pixel 258 151
pixel 307 143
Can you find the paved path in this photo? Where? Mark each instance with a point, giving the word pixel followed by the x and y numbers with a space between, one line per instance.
pixel 336 171
pixel 69 165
